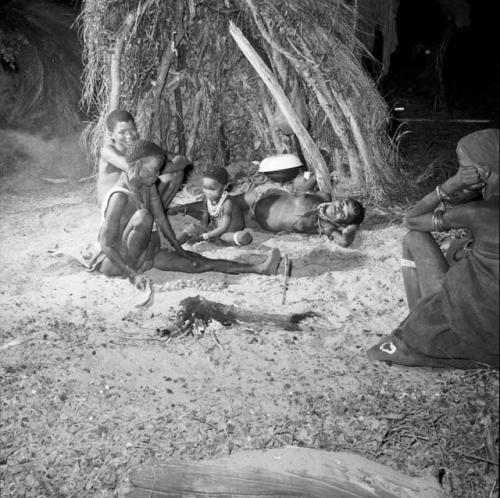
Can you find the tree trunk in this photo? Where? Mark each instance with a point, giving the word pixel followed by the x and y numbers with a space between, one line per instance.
pixel 179 117
pixel 195 124
pixel 114 96
pixel 154 122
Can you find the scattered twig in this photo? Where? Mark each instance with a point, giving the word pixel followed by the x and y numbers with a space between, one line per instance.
pixel 382 439
pixel 490 444
pixel 486 460
pixel 145 339
pixel 493 488
pixel 443 460
pixel 3 460
pixel 17 342
pixel 88 178
pixel 221 347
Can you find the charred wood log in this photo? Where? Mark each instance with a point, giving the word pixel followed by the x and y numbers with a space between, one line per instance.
pixel 198 309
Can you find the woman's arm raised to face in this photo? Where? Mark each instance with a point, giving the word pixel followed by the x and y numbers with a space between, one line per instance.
pixel 421 216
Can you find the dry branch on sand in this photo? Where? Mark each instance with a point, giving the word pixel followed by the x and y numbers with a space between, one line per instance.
pixel 169 53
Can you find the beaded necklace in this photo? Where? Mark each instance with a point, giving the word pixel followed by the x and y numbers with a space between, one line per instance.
pixel 214 210
pixel 323 216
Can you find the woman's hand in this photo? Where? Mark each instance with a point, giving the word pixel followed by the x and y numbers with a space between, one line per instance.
pixel 196 238
pixel 472 177
pixel 467 177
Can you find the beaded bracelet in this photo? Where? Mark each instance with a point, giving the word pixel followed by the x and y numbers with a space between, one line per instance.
pixel 205 236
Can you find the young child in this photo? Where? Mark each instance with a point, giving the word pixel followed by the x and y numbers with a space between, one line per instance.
pixel 221 217
pixel 121 133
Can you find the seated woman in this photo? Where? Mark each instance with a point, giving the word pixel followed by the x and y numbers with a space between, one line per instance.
pixel 454 310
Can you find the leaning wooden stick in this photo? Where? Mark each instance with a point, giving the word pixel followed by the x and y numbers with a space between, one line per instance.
pixel 285 280
pixel 311 150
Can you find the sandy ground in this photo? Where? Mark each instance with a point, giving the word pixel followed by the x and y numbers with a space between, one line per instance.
pixel 94 389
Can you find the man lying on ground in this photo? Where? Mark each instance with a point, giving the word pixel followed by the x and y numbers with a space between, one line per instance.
pixel 129 243
pixel 221 218
pixel 454 309
pixel 121 133
pixel 281 211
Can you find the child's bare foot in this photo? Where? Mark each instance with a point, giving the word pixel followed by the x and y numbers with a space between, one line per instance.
pixel 270 265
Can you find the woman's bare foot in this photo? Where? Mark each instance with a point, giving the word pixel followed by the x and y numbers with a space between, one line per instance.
pixel 270 265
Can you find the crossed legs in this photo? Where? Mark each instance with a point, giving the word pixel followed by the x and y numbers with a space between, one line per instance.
pixel 138 244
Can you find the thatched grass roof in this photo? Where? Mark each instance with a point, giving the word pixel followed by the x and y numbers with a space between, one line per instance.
pixel 183 77
pixel 40 75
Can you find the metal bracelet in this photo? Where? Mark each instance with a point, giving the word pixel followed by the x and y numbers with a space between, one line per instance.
pixel 437 221
pixel 442 195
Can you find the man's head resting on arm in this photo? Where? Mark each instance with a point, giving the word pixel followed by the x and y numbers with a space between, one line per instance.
pixel 145 160
pixel 345 212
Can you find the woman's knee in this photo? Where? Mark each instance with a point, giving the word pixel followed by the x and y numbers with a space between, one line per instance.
pixel 413 240
pixel 142 219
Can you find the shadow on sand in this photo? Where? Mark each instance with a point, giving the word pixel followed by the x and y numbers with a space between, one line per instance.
pixel 320 261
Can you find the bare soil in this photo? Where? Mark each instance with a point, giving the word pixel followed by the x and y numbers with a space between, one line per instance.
pixel 95 388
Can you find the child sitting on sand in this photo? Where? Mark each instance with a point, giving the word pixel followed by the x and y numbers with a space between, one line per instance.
pixel 221 217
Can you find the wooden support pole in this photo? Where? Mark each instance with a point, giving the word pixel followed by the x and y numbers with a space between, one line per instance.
pixel 166 60
pixel 309 147
pixel 195 124
pixel 278 144
pixel 114 97
pixel 179 116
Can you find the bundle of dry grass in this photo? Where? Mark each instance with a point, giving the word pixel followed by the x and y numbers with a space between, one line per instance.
pixel 177 69
pixel 41 85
